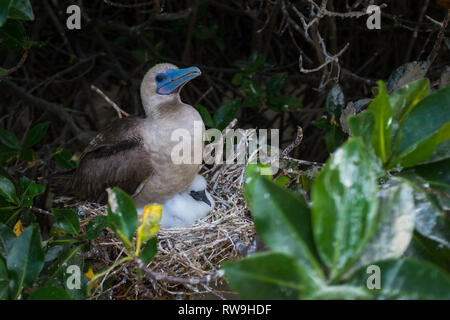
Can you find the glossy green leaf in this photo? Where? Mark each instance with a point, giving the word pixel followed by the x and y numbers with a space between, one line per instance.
pixel 3 71
pixel 335 101
pixel 207 119
pixel 283 221
pixel 344 206
pixel 405 99
pixel 252 172
pixel 341 292
pixel 442 152
pixel 226 113
pixel 4 8
pixel 122 215
pixel 396 224
pixel 423 248
pixel 21 9
pixel 424 128
pixel 150 250
pixel 7 238
pixel 408 279
pixel 4 281
pixel 7 190
pixel 362 126
pixel 49 293
pixel 35 134
pixel 67 220
pixel 25 260
pixel 95 227
pixel 268 275
pixel 9 139
pixel 13 35
pixel 382 129
pixel 28 190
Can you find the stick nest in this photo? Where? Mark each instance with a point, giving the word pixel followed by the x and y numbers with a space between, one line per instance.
pixel 187 253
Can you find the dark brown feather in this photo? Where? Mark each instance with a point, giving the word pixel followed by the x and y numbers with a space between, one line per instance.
pixel 116 157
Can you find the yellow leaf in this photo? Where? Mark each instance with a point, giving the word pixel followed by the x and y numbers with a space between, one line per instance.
pixel 150 224
pixel 90 274
pixel 18 228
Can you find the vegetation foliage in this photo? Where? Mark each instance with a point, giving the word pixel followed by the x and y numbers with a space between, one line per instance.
pixel 381 198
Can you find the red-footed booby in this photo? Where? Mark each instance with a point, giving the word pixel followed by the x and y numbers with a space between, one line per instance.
pixel 184 208
pixel 135 153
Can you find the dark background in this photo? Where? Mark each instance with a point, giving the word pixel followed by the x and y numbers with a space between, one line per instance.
pixel 117 45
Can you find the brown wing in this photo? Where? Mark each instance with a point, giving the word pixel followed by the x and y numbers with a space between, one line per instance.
pixel 116 157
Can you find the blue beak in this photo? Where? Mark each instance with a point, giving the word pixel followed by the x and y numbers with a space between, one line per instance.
pixel 172 80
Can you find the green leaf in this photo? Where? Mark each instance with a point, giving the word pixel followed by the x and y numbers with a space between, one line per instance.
pixel 335 101
pixel 9 139
pixel 122 215
pixel 67 220
pixel 21 9
pixel 13 35
pixel 341 292
pixel 283 221
pixel 362 125
pixel 207 119
pixel 25 260
pixel 150 250
pixel 424 128
pixel 423 248
pixel 344 206
pixel 382 115
pixel 7 238
pixel 408 279
pixel 35 134
pixel 405 99
pixel 268 275
pixel 4 281
pixel 226 113
pixel 276 83
pixel 396 225
pixel 4 8
pixel 49 293
pixel 63 157
pixel 95 227
pixel 7 190
pixel 28 190
pixel 334 136
pixel 442 152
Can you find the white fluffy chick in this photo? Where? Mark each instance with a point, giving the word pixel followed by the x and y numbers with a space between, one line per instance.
pixel 184 208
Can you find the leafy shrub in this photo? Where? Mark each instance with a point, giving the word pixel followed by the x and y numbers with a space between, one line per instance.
pixel 379 200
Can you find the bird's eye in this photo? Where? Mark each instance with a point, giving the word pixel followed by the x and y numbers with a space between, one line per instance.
pixel 159 78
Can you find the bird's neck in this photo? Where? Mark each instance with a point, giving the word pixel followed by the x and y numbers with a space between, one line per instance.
pixel 159 106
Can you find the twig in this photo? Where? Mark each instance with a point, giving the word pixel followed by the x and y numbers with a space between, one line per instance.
pixel 166 278
pixel 298 140
pixel 17 66
pixel 119 111
pixel 437 44
pixel 39 210
pixel 121 5
pixel 302 162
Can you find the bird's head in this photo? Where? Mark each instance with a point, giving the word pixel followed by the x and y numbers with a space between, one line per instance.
pixel 163 82
pixel 197 190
